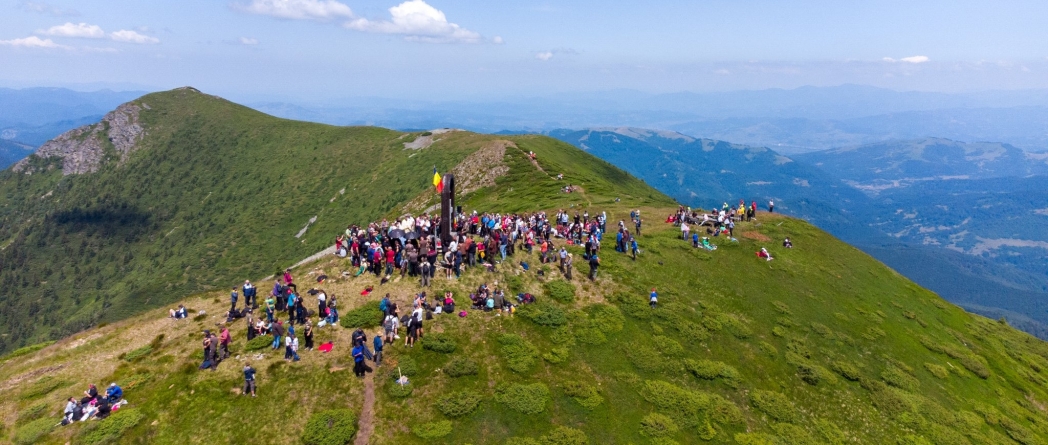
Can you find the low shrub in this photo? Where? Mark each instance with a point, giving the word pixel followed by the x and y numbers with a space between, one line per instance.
pixel 686 407
pixel 768 348
pixel 366 316
pixel 432 430
pixel 556 355
pixel 439 342
pixel 461 366
pixel 42 387
pixel 399 391
pixel 585 395
pixel 563 435
pixel 562 335
pixel 830 432
pixel 544 314
pixel 330 427
pixel 900 379
pixel 692 331
pixel 668 346
pixel 976 364
pixel 846 370
pixel 26 350
pixel 522 441
pixel 560 290
pixel 514 284
pixel 524 398
pixel 259 343
pixel 137 353
pixel 459 403
pixel 813 374
pixel 735 326
pixel 30 414
pixel 657 425
pixel 712 370
pixel 793 434
pixel 31 432
pixel 644 357
pixel 587 333
pixel 936 370
pixel 520 354
pixel 607 318
pixel 776 405
pixel 403 366
pixel 111 428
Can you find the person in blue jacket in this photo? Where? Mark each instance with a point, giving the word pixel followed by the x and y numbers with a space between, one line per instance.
pixel 114 393
pixel 378 350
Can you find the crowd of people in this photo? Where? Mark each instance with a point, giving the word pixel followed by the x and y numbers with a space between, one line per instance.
pixel 93 405
pixel 410 246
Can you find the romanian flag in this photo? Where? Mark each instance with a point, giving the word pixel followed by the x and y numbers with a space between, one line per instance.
pixel 438 181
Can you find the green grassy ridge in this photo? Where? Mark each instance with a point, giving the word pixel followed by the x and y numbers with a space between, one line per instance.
pixel 215 194
pixel 876 343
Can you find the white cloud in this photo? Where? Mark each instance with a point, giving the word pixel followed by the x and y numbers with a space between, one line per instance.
pixel 544 55
pixel 48 9
pixel 93 49
pixel 915 59
pixel 417 21
pixel 128 36
pixel 32 42
pixel 82 30
pixel 321 10
pixel 547 55
pixel 911 59
pixel 722 72
pixel 497 40
pixel 248 41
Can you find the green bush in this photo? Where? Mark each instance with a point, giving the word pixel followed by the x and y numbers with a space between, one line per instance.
pixel 461 366
pixel 31 432
pixel 775 405
pixel 366 316
pixel 522 441
pixel 685 406
pixel 520 354
pixel 439 342
pixel 560 290
pixel 657 425
pixel 42 387
pixel 25 350
pixel 404 365
pixel 712 370
pixel 459 403
pixel 830 432
pixel 331 427
pixel 607 318
pixel 668 346
pixel 644 357
pixel 111 428
pixel 585 395
pixel 846 370
pixel 587 333
pixel 544 314
pixel 399 391
pixel 563 435
pixel 813 374
pixel 30 414
pixel 900 379
pixel 259 343
pixel 432 430
pixel 793 434
pixel 556 355
pixel 514 284
pixel 524 398
pixel 937 370
pixel 138 353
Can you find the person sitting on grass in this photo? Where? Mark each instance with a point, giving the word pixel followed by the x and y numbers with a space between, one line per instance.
pixel 787 243
pixel 179 313
pixel 114 393
pixel 764 254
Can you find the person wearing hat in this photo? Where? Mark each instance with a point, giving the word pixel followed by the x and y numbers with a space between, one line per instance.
pixel 114 393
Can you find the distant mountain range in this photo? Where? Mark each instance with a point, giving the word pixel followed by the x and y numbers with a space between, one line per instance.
pixel 969 221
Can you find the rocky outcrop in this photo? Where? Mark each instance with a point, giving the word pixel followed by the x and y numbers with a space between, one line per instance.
pixel 82 149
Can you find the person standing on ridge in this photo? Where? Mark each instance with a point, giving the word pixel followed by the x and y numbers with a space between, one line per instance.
pixel 233 300
pixel 594 263
pixel 771 206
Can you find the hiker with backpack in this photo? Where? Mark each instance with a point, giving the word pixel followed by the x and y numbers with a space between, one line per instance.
pixel 594 263
pixel 378 350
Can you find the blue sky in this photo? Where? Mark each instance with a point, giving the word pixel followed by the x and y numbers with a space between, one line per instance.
pixel 456 49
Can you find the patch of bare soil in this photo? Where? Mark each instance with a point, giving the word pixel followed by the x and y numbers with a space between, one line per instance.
pixel 755 235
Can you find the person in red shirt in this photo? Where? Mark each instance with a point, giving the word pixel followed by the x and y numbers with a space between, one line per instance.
pixel 390 258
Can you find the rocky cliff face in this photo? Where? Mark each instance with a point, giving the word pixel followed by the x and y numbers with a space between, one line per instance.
pixel 82 149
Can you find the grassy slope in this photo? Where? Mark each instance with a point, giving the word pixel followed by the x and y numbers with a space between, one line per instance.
pixel 772 322
pixel 216 192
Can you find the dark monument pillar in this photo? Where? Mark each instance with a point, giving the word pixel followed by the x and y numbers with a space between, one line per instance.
pixel 447 210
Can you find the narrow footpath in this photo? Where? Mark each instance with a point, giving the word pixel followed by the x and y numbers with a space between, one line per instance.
pixel 367 414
